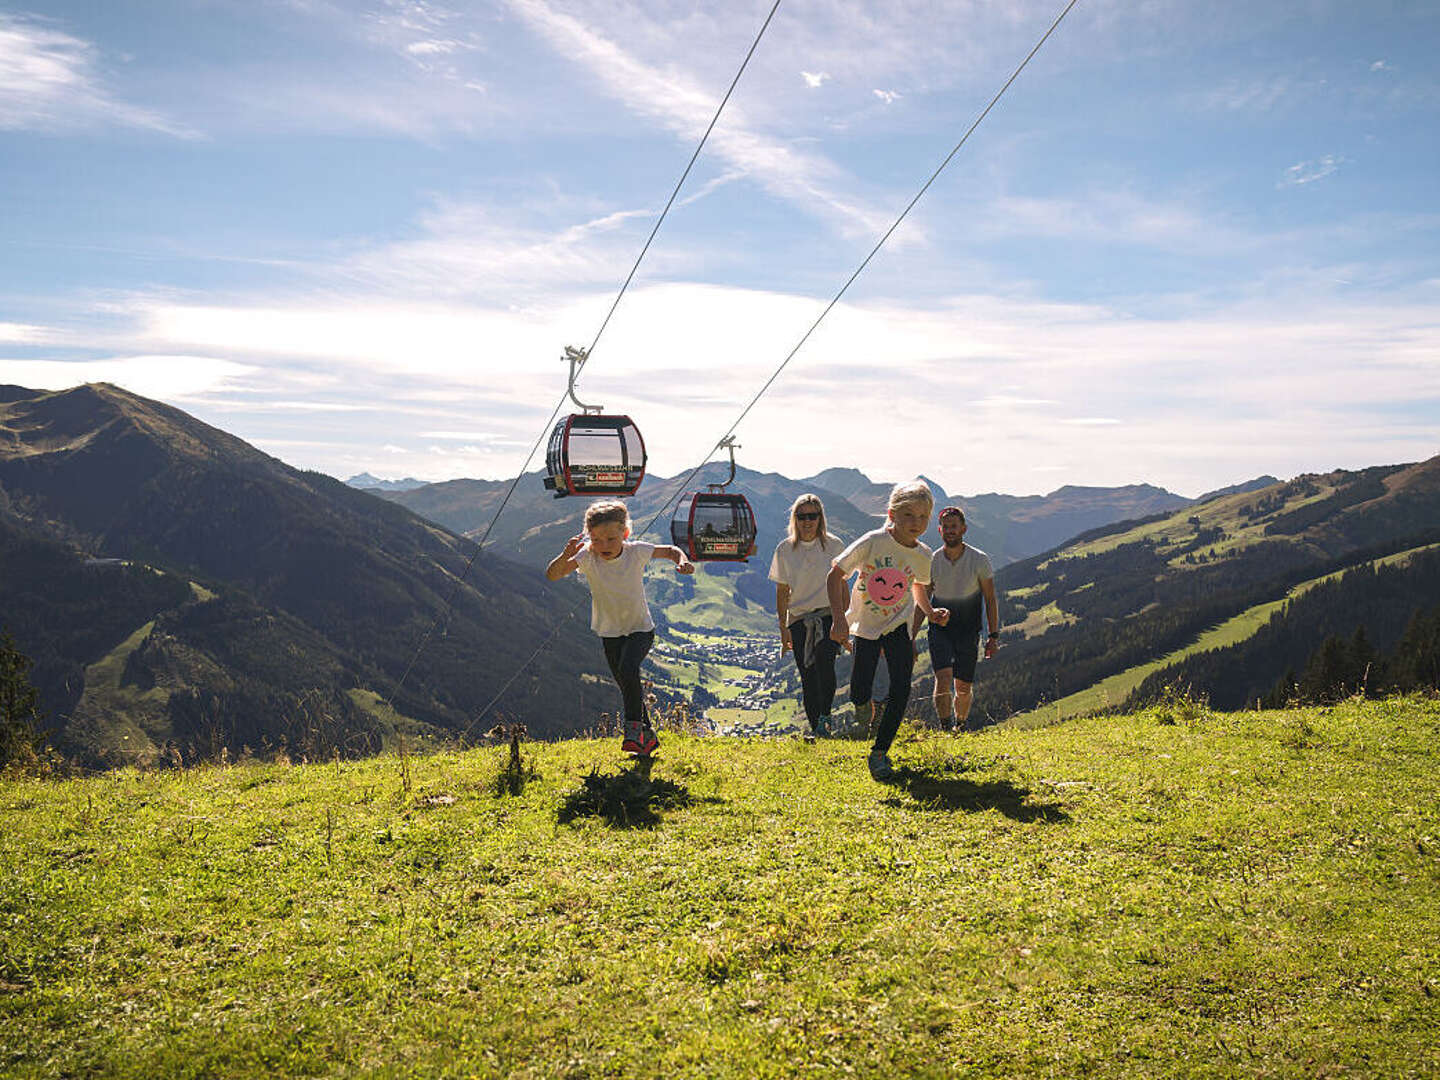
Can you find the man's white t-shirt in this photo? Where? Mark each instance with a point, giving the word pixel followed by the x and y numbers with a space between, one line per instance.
pixel 805 568
pixel 617 589
pixel 882 598
pixel 959 580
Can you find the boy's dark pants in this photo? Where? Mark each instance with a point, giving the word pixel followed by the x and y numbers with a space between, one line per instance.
pixel 625 655
pixel 900 662
pixel 817 682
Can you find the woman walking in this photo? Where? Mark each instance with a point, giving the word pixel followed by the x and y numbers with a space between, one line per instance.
pixel 799 569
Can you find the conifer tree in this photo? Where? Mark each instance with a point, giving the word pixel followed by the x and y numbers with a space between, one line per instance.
pixel 1415 664
pixel 19 709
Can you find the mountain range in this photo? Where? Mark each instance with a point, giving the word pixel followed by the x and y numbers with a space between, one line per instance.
pixel 1007 527
pixel 182 593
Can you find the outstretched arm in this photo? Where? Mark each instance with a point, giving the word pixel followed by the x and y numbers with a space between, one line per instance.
pixel 923 609
pixel 675 555
pixel 564 563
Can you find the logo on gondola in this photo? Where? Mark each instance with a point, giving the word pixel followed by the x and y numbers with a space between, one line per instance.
pixel 724 548
pixel 598 477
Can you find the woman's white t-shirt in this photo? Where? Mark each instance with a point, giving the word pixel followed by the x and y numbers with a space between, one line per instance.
pixel 805 568
pixel 617 589
pixel 882 598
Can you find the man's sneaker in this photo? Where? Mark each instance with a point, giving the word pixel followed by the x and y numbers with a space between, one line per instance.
pixel 822 726
pixel 880 767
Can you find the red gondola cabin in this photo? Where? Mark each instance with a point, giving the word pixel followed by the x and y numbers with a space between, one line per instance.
pixel 593 454
pixel 714 526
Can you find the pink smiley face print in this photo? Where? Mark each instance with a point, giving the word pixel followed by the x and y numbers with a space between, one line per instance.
pixel 885 587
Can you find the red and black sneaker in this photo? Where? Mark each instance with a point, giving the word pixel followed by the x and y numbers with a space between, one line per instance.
pixel 640 738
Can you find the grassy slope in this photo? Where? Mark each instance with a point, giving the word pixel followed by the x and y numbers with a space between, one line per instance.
pixel 1115 689
pixel 1252 895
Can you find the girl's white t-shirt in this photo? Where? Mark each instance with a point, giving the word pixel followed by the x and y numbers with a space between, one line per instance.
pixel 882 598
pixel 805 568
pixel 617 589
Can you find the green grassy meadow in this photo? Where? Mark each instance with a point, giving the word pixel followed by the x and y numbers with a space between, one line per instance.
pixel 1241 895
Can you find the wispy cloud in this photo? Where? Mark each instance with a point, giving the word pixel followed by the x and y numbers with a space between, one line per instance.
pixel 1307 172
pixel 1250 95
pixel 807 180
pixel 815 79
pixel 889 97
pixel 49 82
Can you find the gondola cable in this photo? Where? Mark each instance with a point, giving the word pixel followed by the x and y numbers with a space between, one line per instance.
pixel 448 607
pixel 721 442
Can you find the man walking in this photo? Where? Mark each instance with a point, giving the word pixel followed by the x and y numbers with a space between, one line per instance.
pixel 960 579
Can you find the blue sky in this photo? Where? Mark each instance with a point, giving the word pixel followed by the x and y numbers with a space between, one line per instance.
pixel 1193 244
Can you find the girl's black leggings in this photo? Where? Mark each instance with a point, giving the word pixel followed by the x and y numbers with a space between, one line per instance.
pixel 900 662
pixel 625 654
pixel 817 682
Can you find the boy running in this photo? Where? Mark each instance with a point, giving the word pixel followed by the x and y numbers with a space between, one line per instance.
pixel 614 568
pixel 893 570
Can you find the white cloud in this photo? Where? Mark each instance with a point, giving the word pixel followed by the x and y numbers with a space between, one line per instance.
pixel 1186 402
pixel 815 79
pixel 162 376
pixel 23 334
pixel 889 97
pixel 49 82
pixel 1381 65
pixel 1307 172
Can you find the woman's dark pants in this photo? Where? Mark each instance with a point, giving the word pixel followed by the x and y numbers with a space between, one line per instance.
pixel 817 682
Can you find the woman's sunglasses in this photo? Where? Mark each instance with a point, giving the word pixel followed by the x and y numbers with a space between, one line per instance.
pixel 807 516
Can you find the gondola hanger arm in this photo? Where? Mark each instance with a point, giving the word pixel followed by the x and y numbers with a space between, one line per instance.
pixel 576 357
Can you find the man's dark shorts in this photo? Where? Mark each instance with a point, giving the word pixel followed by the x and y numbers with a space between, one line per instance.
pixel 957 644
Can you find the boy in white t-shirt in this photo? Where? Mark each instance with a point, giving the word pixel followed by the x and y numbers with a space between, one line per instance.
pixel 893 570
pixel 800 569
pixel 614 568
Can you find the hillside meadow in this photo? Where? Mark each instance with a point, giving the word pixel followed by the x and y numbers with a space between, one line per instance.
pixel 1169 893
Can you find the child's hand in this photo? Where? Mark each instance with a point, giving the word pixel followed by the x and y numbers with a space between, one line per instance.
pixel 684 566
pixel 940 616
pixel 840 634
pixel 574 545
pixel 785 643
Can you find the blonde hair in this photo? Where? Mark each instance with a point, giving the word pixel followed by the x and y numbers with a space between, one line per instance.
pixel 605 511
pixel 808 499
pixel 916 491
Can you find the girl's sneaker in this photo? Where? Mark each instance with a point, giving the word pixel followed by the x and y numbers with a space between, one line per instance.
pixel 880 767
pixel 823 727
pixel 640 738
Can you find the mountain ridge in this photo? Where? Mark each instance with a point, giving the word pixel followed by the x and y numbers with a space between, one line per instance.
pixel 105 472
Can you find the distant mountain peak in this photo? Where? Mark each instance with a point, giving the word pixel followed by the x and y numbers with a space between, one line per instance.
pixel 366 481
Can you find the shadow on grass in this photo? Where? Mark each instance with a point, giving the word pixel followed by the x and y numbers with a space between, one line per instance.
pixel 629 799
pixel 946 791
